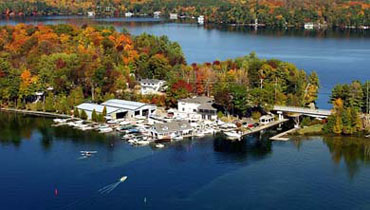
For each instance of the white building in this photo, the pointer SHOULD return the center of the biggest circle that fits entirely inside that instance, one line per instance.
(197, 108)
(157, 14)
(129, 14)
(201, 20)
(90, 107)
(173, 16)
(91, 13)
(152, 86)
(171, 129)
(130, 109)
(308, 26)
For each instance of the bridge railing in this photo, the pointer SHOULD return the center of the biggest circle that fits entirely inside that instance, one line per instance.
(303, 110)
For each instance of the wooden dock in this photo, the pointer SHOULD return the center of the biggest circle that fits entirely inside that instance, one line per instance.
(264, 127)
(36, 113)
(280, 137)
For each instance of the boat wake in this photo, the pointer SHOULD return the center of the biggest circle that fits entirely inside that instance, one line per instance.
(109, 188)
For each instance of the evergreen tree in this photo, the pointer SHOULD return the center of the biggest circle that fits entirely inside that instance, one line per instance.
(94, 116)
(76, 113)
(83, 115)
(104, 111)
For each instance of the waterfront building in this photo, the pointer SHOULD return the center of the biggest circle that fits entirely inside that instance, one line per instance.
(91, 13)
(129, 14)
(152, 86)
(157, 14)
(173, 16)
(90, 107)
(130, 109)
(266, 119)
(171, 129)
(199, 107)
(308, 26)
(201, 20)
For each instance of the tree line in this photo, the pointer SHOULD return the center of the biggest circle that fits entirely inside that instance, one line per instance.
(274, 13)
(54, 68)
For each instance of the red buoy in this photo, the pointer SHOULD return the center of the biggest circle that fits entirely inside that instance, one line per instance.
(56, 192)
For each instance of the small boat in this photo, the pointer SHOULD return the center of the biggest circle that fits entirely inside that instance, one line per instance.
(105, 129)
(199, 134)
(142, 142)
(159, 145)
(232, 135)
(178, 138)
(60, 120)
(122, 179)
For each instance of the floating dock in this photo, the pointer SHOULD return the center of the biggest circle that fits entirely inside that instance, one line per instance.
(36, 113)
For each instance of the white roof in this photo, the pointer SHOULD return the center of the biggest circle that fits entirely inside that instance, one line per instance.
(97, 107)
(126, 105)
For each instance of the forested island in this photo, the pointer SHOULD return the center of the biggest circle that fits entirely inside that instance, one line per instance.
(272, 13)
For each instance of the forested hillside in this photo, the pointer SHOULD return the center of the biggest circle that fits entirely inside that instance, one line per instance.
(277, 13)
(68, 65)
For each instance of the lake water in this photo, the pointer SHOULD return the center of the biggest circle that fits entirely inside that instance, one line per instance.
(41, 168)
(337, 56)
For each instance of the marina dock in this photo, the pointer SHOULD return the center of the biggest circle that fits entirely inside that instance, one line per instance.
(280, 137)
(264, 127)
(36, 113)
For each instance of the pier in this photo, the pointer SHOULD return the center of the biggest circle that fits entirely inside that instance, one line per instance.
(36, 113)
(280, 137)
(264, 127)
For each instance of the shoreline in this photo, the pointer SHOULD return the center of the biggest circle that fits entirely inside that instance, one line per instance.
(36, 113)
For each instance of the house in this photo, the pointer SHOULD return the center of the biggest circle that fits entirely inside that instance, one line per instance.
(266, 119)
(90, 107)
(171, 129)
(129, 14)
(308, 26)
(199, 107)
(173, 16)
(91, 14)
(201, 20)
(152, 86)
(157, 14)
(130, 109)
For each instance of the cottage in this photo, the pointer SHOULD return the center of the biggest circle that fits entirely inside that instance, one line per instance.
(308, 26)
(130, 109)
(173, 16)
(90, 107)
(129, 14)
(171, 129)
(266, 119)
(201, 20)
(198, 107)
(152, 86)
(156, 14)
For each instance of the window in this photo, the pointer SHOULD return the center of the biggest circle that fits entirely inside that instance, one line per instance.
(183, 109)
(194, 110)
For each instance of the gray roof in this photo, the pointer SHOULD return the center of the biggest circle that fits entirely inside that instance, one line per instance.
(173, 126)
(98, 108)
(206, 106)
(198, 100)
(126, 105)
(151, 81)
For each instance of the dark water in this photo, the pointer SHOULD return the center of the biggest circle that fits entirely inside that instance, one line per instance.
(337, 56)
(209, 173)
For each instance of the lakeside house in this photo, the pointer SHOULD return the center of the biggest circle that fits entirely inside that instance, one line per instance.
(129, 14)
(308, 26)
(119, 109)
(152, 86)
(201, 20)
(199, 107)
(173, 16)
(171, 129)
(157, 14)
(266, 119)
(91, 13)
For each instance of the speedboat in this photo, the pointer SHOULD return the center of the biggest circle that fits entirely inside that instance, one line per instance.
(159, 145)
(199, 134)
(178, 138)
(105, 129)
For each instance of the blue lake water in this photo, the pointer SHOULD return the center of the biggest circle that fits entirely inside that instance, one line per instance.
(337, 56)
(41, 166)
(209, 173)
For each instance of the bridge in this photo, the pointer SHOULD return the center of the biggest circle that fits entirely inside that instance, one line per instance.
(318, 113)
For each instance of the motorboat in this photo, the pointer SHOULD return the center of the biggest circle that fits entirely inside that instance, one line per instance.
(59, 121)
(178, 138)
(105, 129)
(233, 135)
(159, 145)
(199, 134)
